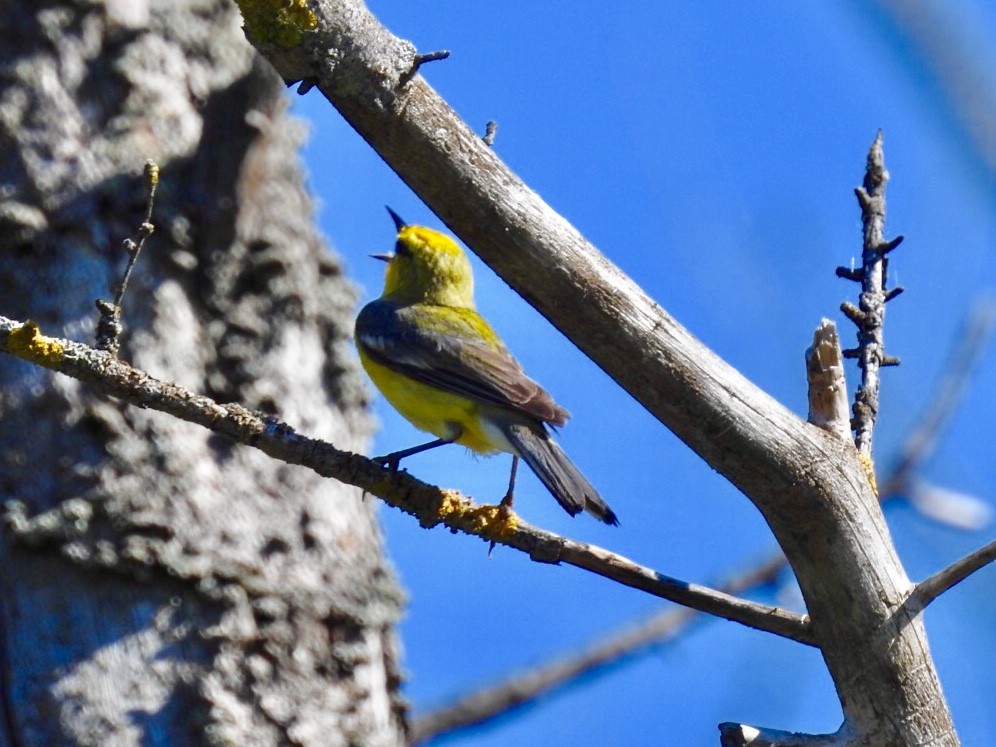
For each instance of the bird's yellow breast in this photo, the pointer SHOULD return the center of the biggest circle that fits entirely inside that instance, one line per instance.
(433, 410)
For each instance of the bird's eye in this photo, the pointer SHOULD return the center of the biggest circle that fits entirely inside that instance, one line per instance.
(402, 249)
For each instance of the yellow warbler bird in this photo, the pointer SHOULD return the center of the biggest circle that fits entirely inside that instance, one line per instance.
(439, 363)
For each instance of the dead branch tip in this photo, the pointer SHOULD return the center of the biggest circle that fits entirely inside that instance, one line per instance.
(109, 325)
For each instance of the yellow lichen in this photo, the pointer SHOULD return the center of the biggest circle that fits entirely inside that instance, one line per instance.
(866, 462)
(490, 522)
(279, 22)
(453, 504)
(29, 343)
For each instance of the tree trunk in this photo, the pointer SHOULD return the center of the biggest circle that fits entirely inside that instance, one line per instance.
(160, 586)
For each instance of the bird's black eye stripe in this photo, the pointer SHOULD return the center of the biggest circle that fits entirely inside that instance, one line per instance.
(402, 249)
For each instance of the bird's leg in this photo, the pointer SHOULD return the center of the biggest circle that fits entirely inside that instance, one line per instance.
(506, 502)
(394, 458)
(505, 505)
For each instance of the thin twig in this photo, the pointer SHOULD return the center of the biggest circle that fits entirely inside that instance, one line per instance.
(109, 325)
(929, 589)
(524, 688)
(421, 59)
(430, 504)
(869, 316)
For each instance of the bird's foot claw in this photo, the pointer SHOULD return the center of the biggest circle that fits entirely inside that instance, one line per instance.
(505, 510)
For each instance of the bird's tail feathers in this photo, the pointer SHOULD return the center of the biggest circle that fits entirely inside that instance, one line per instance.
(551, 465)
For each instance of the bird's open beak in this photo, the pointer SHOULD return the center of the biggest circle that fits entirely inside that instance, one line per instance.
(398, 222)
(383, 257)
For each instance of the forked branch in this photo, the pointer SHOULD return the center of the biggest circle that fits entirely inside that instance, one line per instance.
(828, 409)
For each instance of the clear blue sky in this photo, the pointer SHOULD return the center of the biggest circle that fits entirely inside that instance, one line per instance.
(710, 150)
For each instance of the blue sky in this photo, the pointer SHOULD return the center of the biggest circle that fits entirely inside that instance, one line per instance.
(711, 151)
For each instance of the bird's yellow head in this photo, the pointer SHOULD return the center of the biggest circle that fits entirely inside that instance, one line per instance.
(427, 267)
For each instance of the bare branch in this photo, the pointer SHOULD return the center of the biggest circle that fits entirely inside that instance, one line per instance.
(109, 324)
(870, 317)
(522, 688)
(928, 590)
(431, 505)
(421, 59)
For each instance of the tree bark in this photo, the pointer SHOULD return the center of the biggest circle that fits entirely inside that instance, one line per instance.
(161, 586)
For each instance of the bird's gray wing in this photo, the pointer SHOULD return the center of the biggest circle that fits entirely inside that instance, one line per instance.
(457, 352)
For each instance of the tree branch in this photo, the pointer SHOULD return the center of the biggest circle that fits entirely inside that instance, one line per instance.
(929, 589)
(109, 324)
(522, 688)
(869, 317)
(431, 505)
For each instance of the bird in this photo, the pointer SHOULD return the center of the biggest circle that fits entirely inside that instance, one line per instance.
(439, 363)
